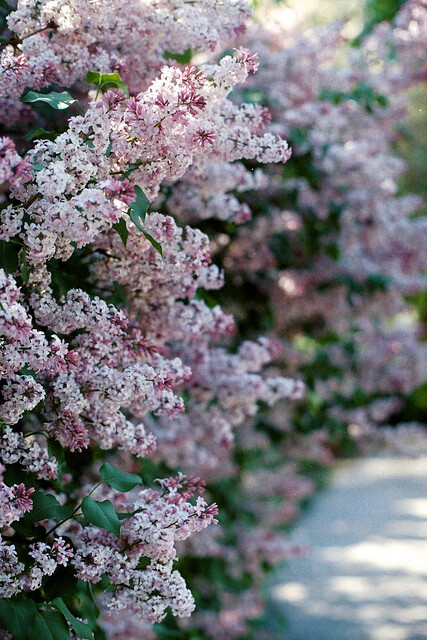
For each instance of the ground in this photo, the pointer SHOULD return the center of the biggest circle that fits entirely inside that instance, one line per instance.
(366, 576)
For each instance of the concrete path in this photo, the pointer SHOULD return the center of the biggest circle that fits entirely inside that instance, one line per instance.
(366, 577)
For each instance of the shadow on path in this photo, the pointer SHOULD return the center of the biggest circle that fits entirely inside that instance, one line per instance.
(366, 576)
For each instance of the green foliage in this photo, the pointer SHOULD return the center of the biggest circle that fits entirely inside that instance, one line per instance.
(24, 266)
(50, 625)
(139, 207)
(122, 230)
(61, 583)
(17, 616)
(105, 81)
(45, 506)
(9, 257)
(363, 94)
(56, 100)
(40, 133)
(118, 479)
(6, 6)
(156, 245)
(81, 628)
(76, 275)
(102, 514)
(182, 58)
(138, 212)
(377, 11)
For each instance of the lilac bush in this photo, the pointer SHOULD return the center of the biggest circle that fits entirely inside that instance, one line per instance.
(154, 431)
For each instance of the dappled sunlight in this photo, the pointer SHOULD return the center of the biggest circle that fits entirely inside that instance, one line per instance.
(366, 575)
(405, 555)
(415, 507)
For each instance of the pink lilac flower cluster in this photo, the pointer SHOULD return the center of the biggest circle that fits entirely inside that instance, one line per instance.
(59, 42)
(82, 375)
(44, 560)
(225, 390)
(15, 502)
(345, 118)
(156, 521)
(133, 357)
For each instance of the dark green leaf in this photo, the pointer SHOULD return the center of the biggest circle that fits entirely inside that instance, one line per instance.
(122, 230)
(182, 58)
(61, 583)
(8, 257)
(123, 515)
(56, 450)
(46, 505)
(17, 616)
(139, 207)
(100, 634)
(118, 479)
(102, 514)
(158, 247)
(24, 266)
(50, 625)
(81, 628)
(39, 132)
(56, 625)
(5, 5)
(332, 250)
(164, 632)
(56, 100)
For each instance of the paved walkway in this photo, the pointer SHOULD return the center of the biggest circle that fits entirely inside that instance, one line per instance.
(366, 577)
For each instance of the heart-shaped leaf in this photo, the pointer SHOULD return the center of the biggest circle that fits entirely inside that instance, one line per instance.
(102, 514)
(57, 100)
(45, 506)
(118, 479)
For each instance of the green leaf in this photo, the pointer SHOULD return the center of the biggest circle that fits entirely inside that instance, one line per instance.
(39, 132)
(56, 100)
(100, 634)
(139, 207)
(50, 625)
(164, 632)
(8, 257)
(158, 247)
(56, 624)
(118, 479)
(81, 628)
(61, 583)
(46, 505)
(17, 616)
(105, 81)
(122, 230)
(124, 515)
(24, 266)
(56, 450)
(182, 58)
(102, 514)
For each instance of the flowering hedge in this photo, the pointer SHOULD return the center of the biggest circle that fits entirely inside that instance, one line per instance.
(128, 392)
